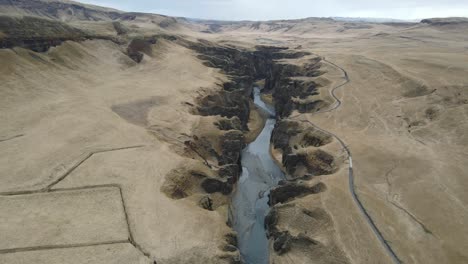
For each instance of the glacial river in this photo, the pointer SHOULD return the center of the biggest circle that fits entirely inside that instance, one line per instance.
(250, 201)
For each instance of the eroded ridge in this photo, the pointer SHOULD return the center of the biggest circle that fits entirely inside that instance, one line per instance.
(352, 186)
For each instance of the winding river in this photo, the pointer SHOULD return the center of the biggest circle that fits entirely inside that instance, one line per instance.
(250, 201)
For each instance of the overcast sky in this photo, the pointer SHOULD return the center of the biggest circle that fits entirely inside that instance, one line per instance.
(287, 9)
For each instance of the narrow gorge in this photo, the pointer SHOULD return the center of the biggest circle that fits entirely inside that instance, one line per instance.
(238, 156)
(130, 137)
(250, 160)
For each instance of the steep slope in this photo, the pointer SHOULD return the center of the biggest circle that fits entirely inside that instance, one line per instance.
(93, 121)
(93, 20)
(62, 10)
(121, 135)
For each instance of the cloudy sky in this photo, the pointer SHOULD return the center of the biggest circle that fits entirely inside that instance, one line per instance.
(287, 9)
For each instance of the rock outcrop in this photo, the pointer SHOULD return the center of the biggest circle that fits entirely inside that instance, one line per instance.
(292, 190)
(227, 104)
(304, 233)
(299, 144)
(291, 93)
(36, 34)
(140, 46)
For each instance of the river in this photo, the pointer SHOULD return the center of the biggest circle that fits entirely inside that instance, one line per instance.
(250, 200)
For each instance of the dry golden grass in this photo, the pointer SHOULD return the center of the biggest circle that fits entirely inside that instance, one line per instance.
(404, 118)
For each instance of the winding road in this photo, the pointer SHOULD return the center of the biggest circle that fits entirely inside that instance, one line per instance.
(352, 187)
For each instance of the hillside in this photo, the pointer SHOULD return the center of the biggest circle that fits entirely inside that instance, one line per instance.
(124, 137)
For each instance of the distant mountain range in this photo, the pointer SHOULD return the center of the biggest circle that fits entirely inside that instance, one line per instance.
(341, 19)
(374, 20)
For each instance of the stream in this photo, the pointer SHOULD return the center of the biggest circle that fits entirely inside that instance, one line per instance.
(250, 200)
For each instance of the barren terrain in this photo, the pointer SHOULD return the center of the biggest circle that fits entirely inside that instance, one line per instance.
(121, 135)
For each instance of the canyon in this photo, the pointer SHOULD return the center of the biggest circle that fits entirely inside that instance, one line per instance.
(140, 138)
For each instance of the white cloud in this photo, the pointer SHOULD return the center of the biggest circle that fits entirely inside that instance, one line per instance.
(281, 9)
